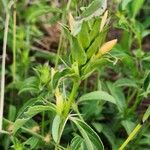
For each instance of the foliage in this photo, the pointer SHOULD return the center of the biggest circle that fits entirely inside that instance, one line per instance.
(85, 96)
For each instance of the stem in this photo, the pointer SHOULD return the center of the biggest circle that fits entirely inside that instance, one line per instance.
(131, 136)
(70, 102)
(3, 70)
(14, 43)
(72, 95)
(43, 122)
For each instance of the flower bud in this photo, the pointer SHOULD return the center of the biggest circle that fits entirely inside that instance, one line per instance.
(105, 48)
(103, 21)
(71, 21)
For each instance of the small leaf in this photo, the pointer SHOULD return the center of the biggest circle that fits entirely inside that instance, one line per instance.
(125, 82)
(32, 111)
(76, 143)
(19, 123)
(147, 114)
(55, 128)
(31, 142)
(93, 48)
(78, 53)
(98, 95)
(117, 93)
(83, 36)
(96, 8)
(136, 6)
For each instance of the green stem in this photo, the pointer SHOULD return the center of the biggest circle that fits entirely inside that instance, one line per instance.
(43, 122)
(72, 95)
(14, 43)
(69, 105)
(131, 136)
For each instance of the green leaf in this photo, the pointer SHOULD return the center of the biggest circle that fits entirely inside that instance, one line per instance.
(29, 85)
(32, 111)
(92, 140)
(28, 104)
(78, 53)
(76, 143)
(136, 6)
(124, 4)
(96, 8)
(125, 82)
(33, 12)
(95, 29)
(117, 93)
(147, 81)
(147, 114)
(109, 134)
(83, 36)
(56, 127)
(12, 113)
(31, 142)
(91, 66)
(128, 125)
(98, 95)
(95, 46)
(19, 123)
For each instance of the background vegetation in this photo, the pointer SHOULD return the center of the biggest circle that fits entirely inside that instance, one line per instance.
(77, 74)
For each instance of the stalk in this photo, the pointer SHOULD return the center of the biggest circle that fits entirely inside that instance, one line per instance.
(71, 100)
(14, 43)
(131, 136)
(3, 70)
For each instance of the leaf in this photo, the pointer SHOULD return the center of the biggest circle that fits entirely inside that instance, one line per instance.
(91, 66)
(117, 93)
(147, 82)
(78, 53)
(35, 11)
(96, 8)
(136, 6)
(32, 111)
(76, 143)
(55, 128)
(83, 36)
(128, 125)
(29, 103)
(109, 135)
(19, 123)
(92, 140)
(124, 4)
(29, 85)
(98, 95)
(125, 82)
(93, 48)
(95, 28)
(12, 113)
(31, 142)
(146, 114)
